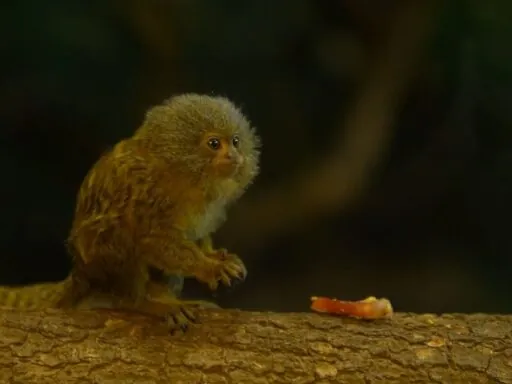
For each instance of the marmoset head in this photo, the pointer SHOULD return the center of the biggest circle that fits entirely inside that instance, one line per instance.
(208, 136)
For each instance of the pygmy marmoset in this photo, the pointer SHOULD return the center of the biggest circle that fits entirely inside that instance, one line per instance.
(152, 202)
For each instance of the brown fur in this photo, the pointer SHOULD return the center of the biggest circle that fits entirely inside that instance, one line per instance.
(155, 198)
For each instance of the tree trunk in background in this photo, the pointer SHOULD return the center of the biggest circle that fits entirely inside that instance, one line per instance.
(245, 347)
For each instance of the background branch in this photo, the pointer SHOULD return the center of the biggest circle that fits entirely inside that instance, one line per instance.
(365, 135)
(245, 347)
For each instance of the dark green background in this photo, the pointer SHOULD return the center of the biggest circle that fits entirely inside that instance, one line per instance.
(432, 231)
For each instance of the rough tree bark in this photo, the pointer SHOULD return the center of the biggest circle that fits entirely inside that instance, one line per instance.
(246, 347)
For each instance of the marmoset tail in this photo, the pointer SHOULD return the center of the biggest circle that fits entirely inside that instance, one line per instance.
(36, 296)
(154, 200)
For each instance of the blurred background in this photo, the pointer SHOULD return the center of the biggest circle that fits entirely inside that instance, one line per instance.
(386, 128)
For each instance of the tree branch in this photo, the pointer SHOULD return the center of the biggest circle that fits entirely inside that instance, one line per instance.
(245, 347)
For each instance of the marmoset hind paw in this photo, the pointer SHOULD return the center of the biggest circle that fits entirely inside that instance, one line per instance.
(180, 313)
(177, 314)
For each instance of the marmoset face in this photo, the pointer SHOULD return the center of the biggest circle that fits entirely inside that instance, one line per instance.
(224, 152)
(206, 136)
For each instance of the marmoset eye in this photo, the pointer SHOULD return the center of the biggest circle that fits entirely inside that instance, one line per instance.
(214, 143)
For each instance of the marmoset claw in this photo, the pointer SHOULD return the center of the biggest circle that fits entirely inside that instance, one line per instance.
(229, 270)
(179, 319)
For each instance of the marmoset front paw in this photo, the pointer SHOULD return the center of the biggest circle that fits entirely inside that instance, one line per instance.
(222, 267)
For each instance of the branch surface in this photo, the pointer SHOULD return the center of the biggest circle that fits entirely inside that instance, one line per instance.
(249, 347)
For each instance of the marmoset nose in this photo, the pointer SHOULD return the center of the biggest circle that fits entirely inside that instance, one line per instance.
(230, 155)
